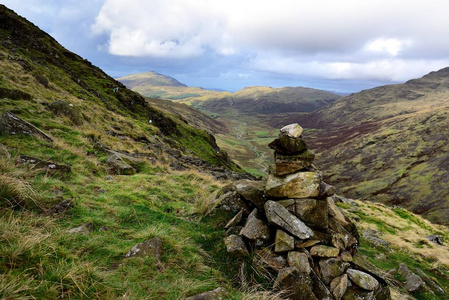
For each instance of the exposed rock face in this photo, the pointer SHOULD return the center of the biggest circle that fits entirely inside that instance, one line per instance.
(11, 124)
(312, 244)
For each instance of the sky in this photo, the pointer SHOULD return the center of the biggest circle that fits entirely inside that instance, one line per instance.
(337, 45)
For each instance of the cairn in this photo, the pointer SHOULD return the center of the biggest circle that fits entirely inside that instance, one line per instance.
(291, 224)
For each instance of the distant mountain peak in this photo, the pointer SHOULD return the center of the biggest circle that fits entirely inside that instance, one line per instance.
(150, 78)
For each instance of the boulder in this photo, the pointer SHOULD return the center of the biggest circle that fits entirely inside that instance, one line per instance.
(217, 294)
(300, 261)
(338, 286)
(331, 268)
(151, 247)
(288, 164)
(292, 130)
(362, 279)
(280, 216)
(324, 251)
(283, 241)
(297, 185)
(255, 229)
(413, 282)
(312, 212)
(287, 145)
(10, 124)
(235, 245)
(119, 166)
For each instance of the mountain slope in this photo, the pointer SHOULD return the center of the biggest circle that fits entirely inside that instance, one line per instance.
(391, 144)
(149, 79)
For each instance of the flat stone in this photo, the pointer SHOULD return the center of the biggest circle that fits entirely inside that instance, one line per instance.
(280, 216)
(235, 245)
(300, 261)
(331, 268)
(297, 185)
(307, 244)
(324, 251)
(235, 220)
(255, 229)
(287, 145)
(217, 294)
(283, 241)
(335, 212)
(363, 280)
(151, 247)
(288, 164)
(292, 130)
(338, 286)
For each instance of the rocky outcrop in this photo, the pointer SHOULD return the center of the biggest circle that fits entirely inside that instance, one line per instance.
(10, 124)
(294, 228)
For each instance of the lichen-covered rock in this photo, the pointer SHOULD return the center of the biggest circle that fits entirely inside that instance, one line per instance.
(331, 268)
(235, 245)
(313, 212)
(153, 247)
(300, 261)
(363, 280)
(283, 241)
(297, 185)
(298, 284)
(338, 286)
(230, 201)
(288, 164)
(335, 212)
(119, 166)
(320, 290)
(252, 191)
(280, 216)
(324, 251)
(287, 145)
(413, 282)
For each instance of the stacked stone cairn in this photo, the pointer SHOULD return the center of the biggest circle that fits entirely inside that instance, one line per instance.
(291, 225)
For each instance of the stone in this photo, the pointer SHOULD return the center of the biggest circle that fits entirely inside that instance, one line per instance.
(300, 261)
(308, 243)
(324, 251)
(331, 268)
(372, 236)
(335, 212)
(82, 229)
(217, 294)
(4, 151)
(430, 283)
(346, 256)
(10, 124)
(292, 130)
(298, 285)
(265, 257)
(151, 247)
(287, 145)
(288, 164)
(413, 282)
(235, 245)
(255, 229)
(340, 241)
(252, 191)
(312, 212)
(297, 185)
(363, 280)
(119, 166)
(231, 202)
(283, 241)
(326, 190)
(235, 220)
(319, 288)
(338, 286)
(280, 216)
(437, 239)
(346, 236)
